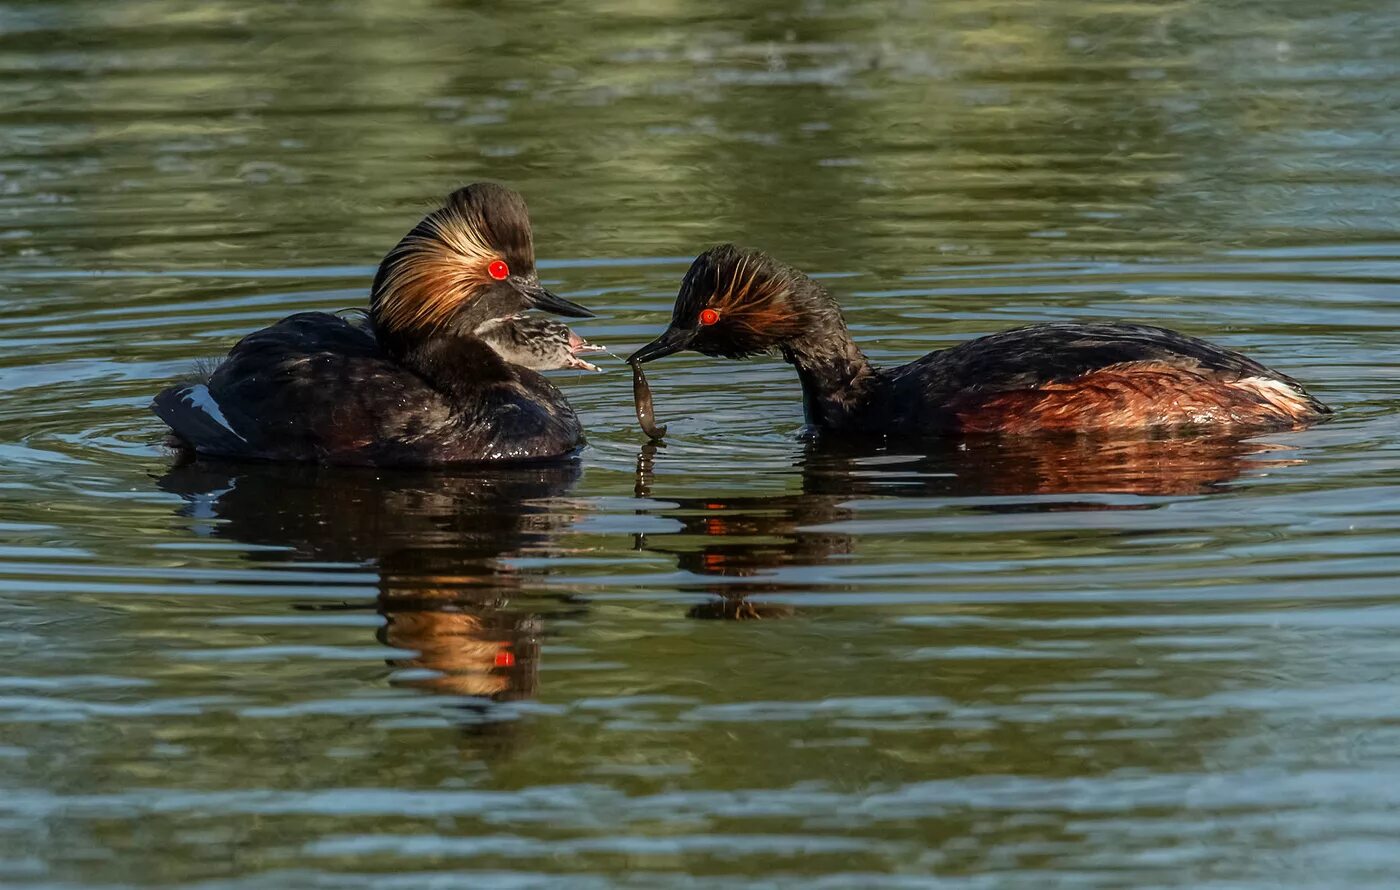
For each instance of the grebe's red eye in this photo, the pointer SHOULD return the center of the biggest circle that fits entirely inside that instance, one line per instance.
(708, 316)
(498, 270)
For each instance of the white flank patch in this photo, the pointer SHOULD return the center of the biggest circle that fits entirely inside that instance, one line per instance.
(199, 398)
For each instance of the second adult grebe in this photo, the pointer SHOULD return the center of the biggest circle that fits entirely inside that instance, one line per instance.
(1044, 378)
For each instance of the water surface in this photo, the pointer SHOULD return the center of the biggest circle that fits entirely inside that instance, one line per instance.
(741, 659)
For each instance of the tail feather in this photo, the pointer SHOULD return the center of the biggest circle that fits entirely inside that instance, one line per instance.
(192, 412)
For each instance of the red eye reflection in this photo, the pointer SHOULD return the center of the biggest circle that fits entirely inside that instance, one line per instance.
(498, 270)
(708, 316)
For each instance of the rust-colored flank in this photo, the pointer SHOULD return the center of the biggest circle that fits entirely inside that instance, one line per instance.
(1135, 395)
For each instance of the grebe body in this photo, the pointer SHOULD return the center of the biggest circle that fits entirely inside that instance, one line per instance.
(1047, 378)
(414, 387)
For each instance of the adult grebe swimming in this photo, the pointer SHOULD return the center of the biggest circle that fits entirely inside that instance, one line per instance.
(1077, 378)
(415, 387)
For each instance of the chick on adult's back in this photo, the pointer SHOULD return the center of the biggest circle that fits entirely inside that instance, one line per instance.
(414, 387)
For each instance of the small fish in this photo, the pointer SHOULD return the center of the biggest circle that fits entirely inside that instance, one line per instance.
(641, 395)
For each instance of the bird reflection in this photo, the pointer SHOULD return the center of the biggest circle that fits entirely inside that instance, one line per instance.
(739, 541)
(436, 540)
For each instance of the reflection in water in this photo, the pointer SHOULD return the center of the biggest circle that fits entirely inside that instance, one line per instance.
(435, 539)
(728, 538)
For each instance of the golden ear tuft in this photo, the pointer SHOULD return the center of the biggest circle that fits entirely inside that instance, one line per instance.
(753, 294)
(437, 268)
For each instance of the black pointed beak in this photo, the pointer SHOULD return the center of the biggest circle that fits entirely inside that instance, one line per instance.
(671, 341)
(550, 302)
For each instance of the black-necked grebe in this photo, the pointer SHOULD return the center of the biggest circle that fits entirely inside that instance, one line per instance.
(1078, 378)
(413, 388)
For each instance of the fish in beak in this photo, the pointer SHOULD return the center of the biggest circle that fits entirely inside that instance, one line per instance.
(672, 341)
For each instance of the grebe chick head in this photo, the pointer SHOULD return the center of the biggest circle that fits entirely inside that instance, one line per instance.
(471, 260)
(541, 344)
(735, 302)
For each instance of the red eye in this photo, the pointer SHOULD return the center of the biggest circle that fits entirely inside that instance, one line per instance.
(498, 270)
(708, 316)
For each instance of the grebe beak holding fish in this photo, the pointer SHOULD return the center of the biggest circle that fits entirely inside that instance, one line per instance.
(1047, 378)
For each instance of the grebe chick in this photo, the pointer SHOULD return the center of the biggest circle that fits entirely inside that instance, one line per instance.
(1079, 378)
(409, 388)
(541, 344)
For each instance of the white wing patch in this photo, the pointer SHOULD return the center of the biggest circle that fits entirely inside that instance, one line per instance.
(200, 398)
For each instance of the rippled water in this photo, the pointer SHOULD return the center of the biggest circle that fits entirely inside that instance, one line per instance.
(1013, 665)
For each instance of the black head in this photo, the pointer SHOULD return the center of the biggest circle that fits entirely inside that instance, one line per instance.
(736, 302)
(470, 260)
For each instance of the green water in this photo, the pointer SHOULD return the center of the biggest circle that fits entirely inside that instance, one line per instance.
(1168, 665)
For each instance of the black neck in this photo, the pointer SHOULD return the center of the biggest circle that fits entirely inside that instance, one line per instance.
(457, 366)
(836, 377)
